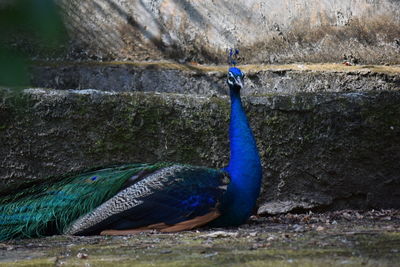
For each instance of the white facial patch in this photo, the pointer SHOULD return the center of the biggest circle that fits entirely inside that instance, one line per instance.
(231, 78)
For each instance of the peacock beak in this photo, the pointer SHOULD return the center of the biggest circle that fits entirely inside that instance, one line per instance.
(239, 82)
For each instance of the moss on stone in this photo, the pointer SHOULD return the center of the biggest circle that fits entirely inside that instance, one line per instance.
(263, 245)
(319, 148)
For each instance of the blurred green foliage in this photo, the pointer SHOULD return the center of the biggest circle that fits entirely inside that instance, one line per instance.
(27, 27)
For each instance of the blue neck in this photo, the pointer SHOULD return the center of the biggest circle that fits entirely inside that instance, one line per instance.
(244, 167)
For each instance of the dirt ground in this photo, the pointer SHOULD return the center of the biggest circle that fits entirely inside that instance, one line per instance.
(340, 238)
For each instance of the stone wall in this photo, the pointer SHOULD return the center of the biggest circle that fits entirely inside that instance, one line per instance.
(319, 150)
(266, 31)
(328, 133)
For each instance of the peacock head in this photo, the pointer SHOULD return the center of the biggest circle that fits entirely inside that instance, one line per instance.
(235, 78)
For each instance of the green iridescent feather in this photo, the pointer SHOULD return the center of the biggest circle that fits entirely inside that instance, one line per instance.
(49, 207)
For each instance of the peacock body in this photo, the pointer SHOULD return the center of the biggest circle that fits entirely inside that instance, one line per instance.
(136, 197)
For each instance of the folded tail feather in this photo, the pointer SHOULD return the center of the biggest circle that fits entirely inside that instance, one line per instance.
(49, 207)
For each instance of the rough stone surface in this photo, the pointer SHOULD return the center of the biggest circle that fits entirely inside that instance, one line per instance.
(339, 238)
(278, 207)
(326, 150)
(210, 80)
(266, 31)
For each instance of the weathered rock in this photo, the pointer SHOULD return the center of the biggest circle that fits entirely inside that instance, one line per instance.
(326, 150)
(266, 31)
(209, 80)
(278, 207)
(48, 132)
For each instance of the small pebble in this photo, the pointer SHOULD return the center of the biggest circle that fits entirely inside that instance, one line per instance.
(81, 255)
(211, 255)
(298, 228)
(218, 234)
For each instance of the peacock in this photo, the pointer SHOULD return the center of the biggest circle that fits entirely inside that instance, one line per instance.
(131, 198)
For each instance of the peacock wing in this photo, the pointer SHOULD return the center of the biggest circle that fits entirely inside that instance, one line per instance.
(168, 196)
(47, 206)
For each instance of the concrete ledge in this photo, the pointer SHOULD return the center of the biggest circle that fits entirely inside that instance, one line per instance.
(210, 80)
(319, 150)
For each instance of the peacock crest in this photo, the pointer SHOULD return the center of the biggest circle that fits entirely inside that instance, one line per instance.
(233, 56)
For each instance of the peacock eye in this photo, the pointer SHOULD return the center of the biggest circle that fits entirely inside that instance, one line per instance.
(231, 79)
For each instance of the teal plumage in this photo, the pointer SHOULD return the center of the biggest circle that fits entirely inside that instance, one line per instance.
(124, 199)
(48, 207)
(56, 206)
